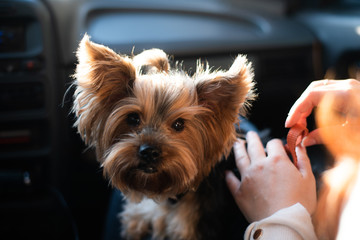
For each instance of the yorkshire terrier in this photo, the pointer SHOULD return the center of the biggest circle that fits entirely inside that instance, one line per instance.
(162, 138)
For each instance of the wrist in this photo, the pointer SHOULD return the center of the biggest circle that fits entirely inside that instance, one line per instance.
(293, 222)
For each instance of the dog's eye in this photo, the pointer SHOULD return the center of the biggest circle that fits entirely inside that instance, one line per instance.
(133, 119)
(178, 125)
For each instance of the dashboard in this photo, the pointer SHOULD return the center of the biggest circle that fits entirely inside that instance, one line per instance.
(28, 89)
(31, 125)
(47, 176)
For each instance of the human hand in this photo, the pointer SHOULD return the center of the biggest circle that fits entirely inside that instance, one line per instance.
(342, 90)
(270, 182)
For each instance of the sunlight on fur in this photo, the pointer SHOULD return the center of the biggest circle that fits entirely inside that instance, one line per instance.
(161, 135)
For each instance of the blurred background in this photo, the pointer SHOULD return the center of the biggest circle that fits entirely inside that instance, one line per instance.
(51, 186)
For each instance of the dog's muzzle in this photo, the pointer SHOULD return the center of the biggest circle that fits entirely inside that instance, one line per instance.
(149, 156)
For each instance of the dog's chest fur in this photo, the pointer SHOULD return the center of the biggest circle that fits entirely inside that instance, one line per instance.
(209, 213)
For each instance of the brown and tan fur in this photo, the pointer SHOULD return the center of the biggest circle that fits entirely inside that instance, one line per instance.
(123, 103)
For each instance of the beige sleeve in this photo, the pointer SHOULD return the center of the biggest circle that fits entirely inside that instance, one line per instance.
(290, 223)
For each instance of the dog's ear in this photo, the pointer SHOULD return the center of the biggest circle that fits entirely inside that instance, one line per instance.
(226, 93)
(101, 70)
(151, 61)
(101, 78)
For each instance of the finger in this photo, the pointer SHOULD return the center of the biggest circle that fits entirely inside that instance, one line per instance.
(302, 121)
(301, 109)
(313, 138)
(232, 182)
(303, 163)
(275, 147)
(294, 114)
(307, 101)
(242, 160)
(254, 146)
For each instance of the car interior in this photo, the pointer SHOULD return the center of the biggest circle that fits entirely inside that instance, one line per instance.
(51, 185)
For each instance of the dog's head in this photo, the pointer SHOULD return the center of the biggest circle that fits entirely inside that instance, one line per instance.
(157, 131)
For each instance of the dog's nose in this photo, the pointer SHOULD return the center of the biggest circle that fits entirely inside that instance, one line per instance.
(149, 153)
